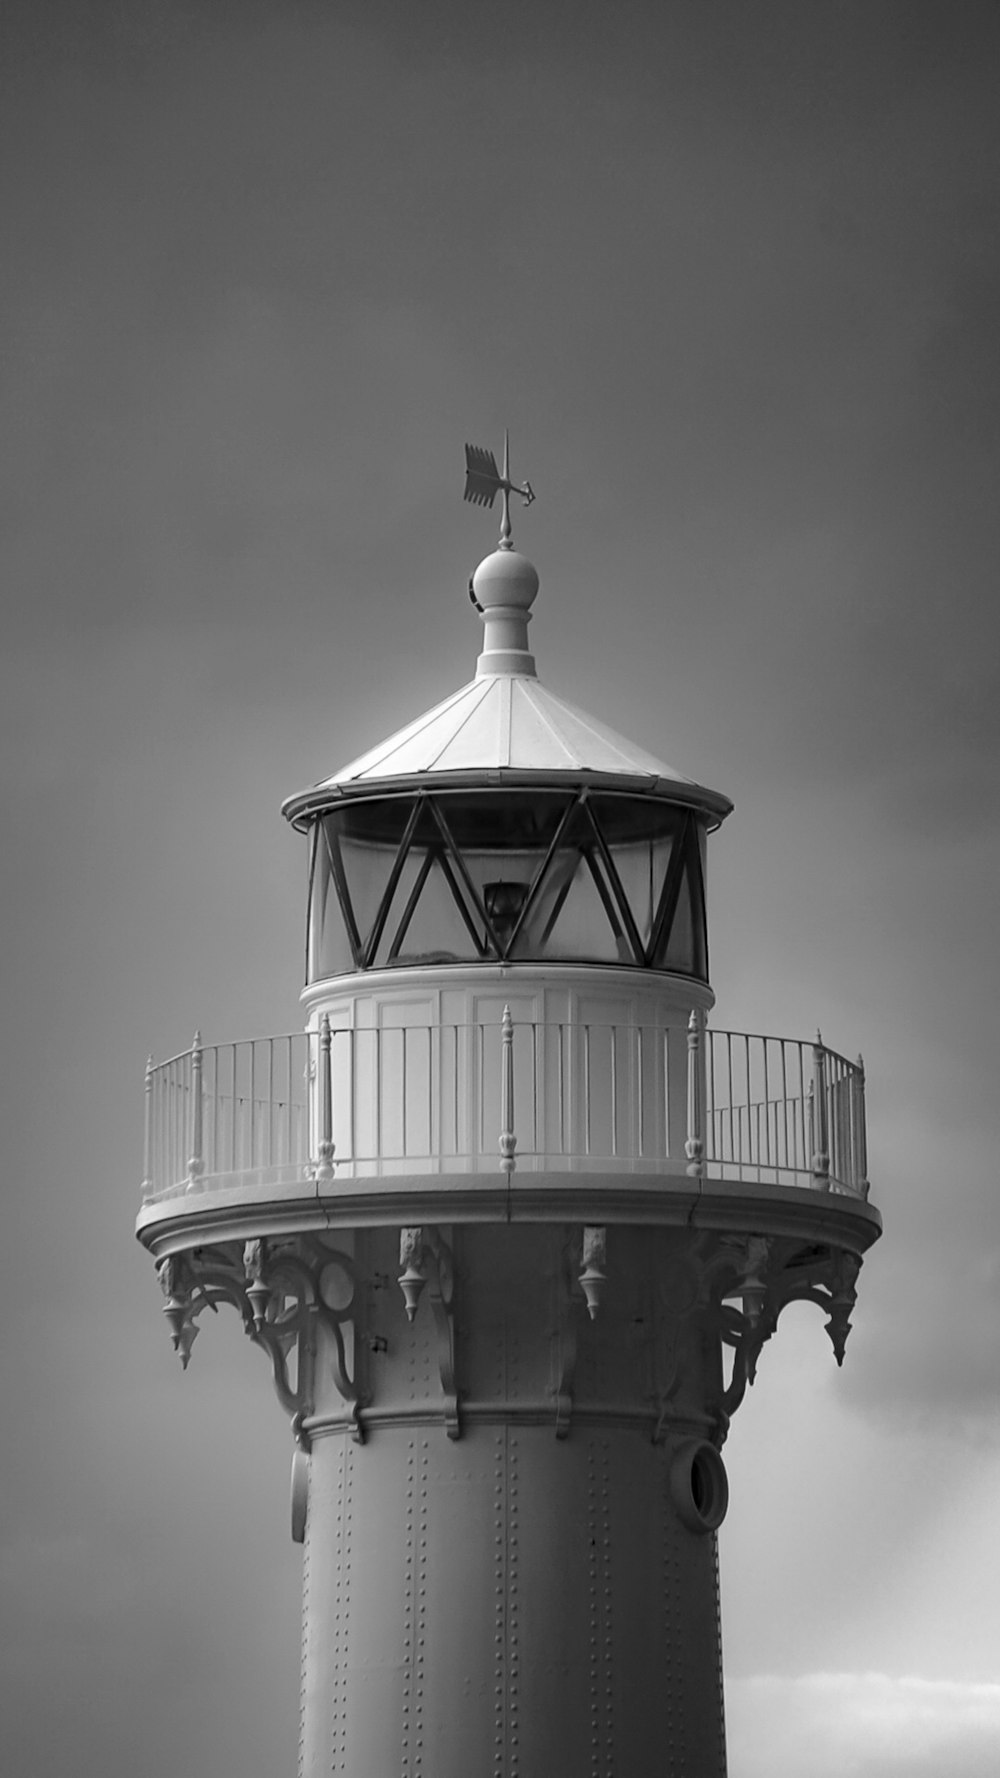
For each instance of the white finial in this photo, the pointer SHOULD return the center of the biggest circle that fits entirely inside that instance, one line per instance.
(505, 584)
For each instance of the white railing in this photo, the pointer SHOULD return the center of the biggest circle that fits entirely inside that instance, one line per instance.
(339, 1104)
(777, 1109)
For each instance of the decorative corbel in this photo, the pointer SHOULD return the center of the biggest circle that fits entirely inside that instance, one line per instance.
(413, 1268)
(258, 1292)
(278, 1291)
(827, 1279)
(426, 1259)
(758, 1254)
(594, 1276)
(177, 1307)
(746, 1339)
(843, 1297)
(442, 1295)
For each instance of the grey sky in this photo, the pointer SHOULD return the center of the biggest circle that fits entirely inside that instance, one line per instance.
(731, 276)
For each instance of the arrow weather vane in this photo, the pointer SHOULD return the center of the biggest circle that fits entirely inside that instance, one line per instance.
(484, 481)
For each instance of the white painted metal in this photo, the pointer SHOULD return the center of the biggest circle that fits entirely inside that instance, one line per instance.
(497, 1227)
(503, 722)
(512, 1603)
(505, 719)
(409, 1097)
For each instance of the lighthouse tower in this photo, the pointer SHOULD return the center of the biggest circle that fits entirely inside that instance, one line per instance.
(511, 1222)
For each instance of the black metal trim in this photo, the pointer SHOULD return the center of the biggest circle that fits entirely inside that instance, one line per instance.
(382, 913)
(343, 893)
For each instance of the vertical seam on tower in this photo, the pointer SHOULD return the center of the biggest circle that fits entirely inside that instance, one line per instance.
(339, 1634)
(607, 1648)
(513, 1655)
(409, 1590)
(304, 1663)
(718, 1657)
(499, 1612)
(420, 1659)
(680, 1688)
(667, 1616)
(593, 1623)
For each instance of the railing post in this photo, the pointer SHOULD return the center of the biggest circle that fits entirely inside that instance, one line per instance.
(694, 1147)
(508, 1140)
(324, 1170)
(821, 1115)
(196, 1161)
(147, 1132)
(860, 1131)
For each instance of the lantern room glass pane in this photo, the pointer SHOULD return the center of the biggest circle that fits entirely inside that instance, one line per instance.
(329, 947)
(684, 952)
(432, 930)
(369, 837)
(573, 915)
(442, 877)
(640, 835)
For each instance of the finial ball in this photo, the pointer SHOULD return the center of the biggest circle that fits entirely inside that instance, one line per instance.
(505, 578)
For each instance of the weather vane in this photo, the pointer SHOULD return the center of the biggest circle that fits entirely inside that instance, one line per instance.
(484, 481)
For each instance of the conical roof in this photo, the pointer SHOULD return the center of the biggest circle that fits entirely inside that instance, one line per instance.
(503, 722)
(505, 725)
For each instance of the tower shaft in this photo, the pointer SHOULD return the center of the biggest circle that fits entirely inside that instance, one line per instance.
(523, 1596)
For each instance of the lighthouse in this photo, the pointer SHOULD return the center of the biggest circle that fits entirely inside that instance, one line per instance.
(511, 1222)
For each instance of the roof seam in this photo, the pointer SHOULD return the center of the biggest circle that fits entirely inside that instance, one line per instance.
(546, 721)
(474, 704)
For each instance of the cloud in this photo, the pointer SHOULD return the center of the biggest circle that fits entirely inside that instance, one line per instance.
(861, 1725)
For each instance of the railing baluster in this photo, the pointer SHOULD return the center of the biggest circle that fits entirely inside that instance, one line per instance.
(270, 1102)
(479, 1064)
(196, 1161)
(454, 1097)
(821, 1149)
(767, 1111)
(508, 1140)
(713, 1135)
(784, 1103)
(563, 1032)
(729, 1069)
(586, 1089)
(377, 1035)
(432, 1031)
(860, 1178)
(694, 1147)
(324, 1171)
(614, 1090)
(535, 1095)
(253, 1103)
(290, 1063)
(404, 1131)
(147, 1131)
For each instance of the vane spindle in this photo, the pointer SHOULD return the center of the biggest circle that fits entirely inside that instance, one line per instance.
(484, 481)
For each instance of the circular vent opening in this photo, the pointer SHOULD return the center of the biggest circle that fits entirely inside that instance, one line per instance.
(699, 1486)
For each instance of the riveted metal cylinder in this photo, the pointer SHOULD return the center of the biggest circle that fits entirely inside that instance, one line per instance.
(525, 1598)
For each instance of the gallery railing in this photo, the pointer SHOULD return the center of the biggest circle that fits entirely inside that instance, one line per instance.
(332, 1104)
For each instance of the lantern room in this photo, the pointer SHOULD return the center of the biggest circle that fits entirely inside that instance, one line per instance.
(506, 858)
(506, 827)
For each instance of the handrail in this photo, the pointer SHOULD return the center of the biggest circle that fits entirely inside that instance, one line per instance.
(336, 1102)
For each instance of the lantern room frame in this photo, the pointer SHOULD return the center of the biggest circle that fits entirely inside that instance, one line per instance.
(510, 859)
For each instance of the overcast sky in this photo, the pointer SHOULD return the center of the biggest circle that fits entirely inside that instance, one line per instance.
(730, 272)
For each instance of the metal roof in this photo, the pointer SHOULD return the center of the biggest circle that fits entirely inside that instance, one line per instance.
(505, 723)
